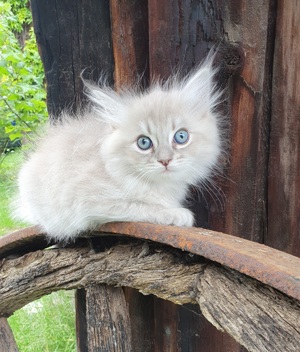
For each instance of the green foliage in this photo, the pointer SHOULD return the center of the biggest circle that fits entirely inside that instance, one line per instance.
(9, 164)
(22, 93)
(21, 12)
(47, 324)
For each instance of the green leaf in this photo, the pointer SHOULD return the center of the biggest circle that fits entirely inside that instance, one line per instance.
(15, 135)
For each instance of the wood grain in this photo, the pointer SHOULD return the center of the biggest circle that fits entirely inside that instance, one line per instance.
(257, 316)
(7, 341)
(56, 269)
(108, 322)
(72, 37)
(284, 162)
(129, 20)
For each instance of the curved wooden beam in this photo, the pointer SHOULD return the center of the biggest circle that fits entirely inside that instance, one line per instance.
(265, 264)
(257, 316)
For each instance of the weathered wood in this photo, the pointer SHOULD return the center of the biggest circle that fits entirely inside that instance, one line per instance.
(81, 323)
(284, 162)
(129, 20)
(72, 37)
(180, 35)
(259, 317)
(7, 341)
(166, 332)
(141, 313)
(251, 25)
(108, 323)
(225, 301)
(35, 274)
(270, 266)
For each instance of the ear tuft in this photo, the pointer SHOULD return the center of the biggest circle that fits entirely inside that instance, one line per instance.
(105, 101)
(199, 87)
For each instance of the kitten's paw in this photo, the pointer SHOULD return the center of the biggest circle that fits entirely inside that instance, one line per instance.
(178, 216)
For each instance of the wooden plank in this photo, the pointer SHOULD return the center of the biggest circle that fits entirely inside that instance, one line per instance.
(130, 41)
(7, 341)
(180, 34)
(108, 323)
(141, 311)
(284, 163)
(81, 323)
(72, 37)
(245, 182)
(166, 333)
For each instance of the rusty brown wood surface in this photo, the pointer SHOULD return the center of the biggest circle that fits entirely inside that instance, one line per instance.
(129, 20)
(269, 266)
(180, 34)
(284, 162)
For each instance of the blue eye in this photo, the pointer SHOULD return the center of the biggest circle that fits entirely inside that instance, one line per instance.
(181, 137)
(144, 143)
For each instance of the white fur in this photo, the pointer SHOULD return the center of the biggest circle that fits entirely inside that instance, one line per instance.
(89, 170)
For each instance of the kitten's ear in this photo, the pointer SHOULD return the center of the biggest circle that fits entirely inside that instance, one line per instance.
(199, 87)
(105, 102)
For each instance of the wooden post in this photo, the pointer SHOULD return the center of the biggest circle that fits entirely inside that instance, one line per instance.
(72, 37)
(7, 341)
(103, 322)
(129, 19)
(284, 162)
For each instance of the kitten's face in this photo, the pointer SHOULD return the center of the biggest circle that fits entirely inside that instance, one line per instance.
(162, 138)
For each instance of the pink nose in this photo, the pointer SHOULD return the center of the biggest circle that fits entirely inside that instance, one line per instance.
(164, 162)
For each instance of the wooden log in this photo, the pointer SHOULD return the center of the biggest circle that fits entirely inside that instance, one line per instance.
(284, 162)
(7, 341)
(70, 268)
(225, 300)
(259, 317)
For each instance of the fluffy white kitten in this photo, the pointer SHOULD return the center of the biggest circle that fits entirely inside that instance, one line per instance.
(130, 158)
